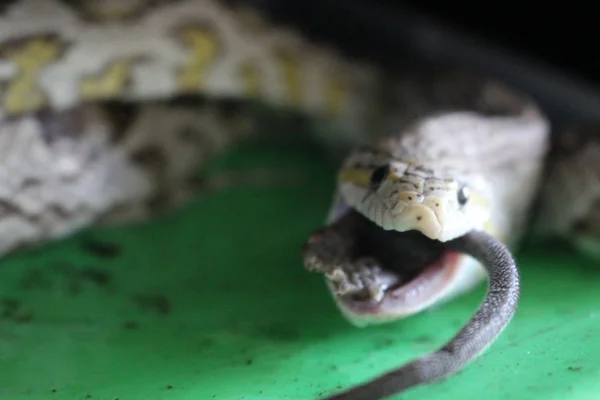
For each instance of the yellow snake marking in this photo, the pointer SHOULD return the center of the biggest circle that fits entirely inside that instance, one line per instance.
(204, 44)
(111, 82)
(254, 24)
(356, 176)
(251, 77)
(290, 70)
(488, 226)
(477, 198)
(336, 95)
(30, 56)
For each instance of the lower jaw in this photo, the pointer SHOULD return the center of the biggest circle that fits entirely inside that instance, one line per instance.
(427, 289)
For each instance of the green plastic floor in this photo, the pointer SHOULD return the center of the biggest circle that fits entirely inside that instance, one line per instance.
(212, 301)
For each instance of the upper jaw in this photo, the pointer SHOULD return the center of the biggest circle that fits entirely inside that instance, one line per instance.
(419, 217)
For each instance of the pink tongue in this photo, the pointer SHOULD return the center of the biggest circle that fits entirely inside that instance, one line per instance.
(432, 276)
(409, 298)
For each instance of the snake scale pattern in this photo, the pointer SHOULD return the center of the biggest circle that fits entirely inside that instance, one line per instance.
(108, 108)
(91, 96)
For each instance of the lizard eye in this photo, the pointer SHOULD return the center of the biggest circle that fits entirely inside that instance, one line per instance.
(379, 175)
(463, 195)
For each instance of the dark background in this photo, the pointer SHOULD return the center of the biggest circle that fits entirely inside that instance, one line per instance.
(563, 34)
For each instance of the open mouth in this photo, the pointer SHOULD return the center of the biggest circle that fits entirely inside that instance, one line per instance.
(383, 274)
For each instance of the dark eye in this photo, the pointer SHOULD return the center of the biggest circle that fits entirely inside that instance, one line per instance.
(379, 175)
(463, 195)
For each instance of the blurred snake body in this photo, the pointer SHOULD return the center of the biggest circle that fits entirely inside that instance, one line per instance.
(93, 125)
(97, 126)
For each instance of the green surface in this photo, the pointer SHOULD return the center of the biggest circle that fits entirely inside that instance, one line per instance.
(212, 301)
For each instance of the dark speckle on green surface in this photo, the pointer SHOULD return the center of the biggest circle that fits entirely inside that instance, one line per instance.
(571, 368)
(65, 276)
(100, 277)
(424, 339)
(78, 278)
(157, 303)
(35, 279)
(278, 332)
(206, 343)
(9, 305)
(384, 343)
(13, 310)
(130, 325)
(101, 249)
(169, 387)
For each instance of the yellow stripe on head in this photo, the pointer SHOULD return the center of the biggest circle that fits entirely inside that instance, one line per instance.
(357, 176)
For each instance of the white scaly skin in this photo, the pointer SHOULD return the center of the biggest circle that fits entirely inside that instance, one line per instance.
(70, 160)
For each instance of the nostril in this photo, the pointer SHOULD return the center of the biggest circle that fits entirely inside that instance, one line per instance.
(411, 197)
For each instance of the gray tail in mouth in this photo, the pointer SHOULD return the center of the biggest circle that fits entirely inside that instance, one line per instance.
(474, 338)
